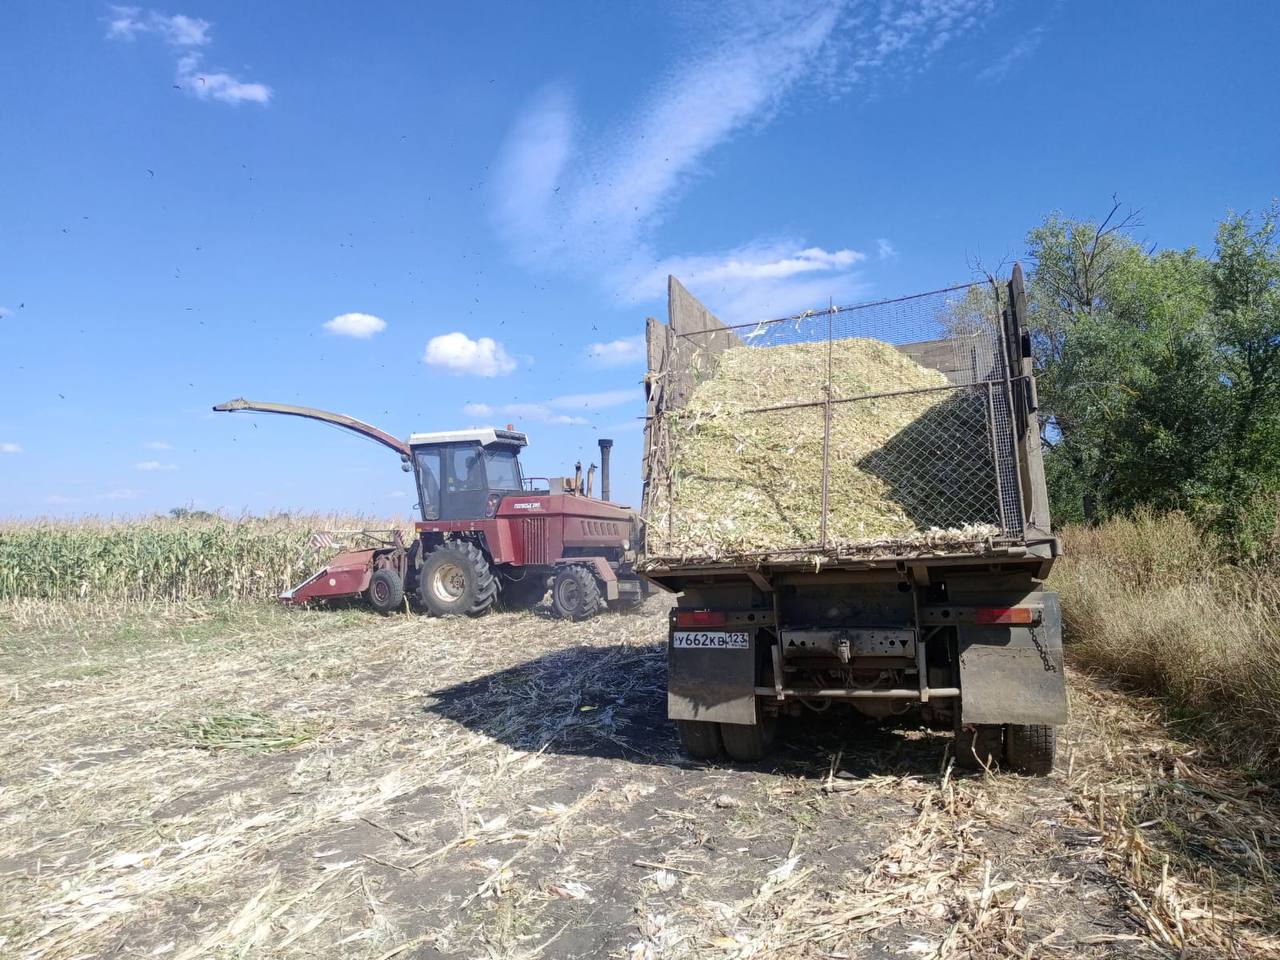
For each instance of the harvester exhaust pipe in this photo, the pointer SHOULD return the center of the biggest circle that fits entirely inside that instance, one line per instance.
(605, 446)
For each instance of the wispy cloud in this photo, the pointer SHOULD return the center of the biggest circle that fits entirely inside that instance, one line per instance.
(595, 401)
(567, 410)
(362, 326)
(617, 353)
(885, 250)
(534, 412)
(1020, 51)
(186, 34)
(158, 445)
(759, 280)
(120, 493)
(10, 448)
(459, 354)
(153, 466)
(592, 200)
(127, 23)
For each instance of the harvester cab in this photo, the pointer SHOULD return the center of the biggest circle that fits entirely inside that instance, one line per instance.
(464, 474)
(488, 534)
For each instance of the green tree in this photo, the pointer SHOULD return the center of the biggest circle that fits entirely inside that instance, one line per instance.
(1159, 373)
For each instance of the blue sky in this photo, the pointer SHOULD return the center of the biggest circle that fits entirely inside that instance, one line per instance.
(435, 216)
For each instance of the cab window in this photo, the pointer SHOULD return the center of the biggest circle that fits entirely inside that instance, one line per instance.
(502, 467)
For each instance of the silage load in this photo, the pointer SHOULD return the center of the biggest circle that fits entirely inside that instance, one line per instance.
(906, 468)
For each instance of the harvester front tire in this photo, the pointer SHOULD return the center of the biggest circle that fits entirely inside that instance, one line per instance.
(980, 748)
(456, 579)
(1031, 748)
(700, 739)
(575, 595)
(385, 592)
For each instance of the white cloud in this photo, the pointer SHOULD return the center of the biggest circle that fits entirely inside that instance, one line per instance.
(5, 312)
(617, 353)
(120, 494)
(535, 412)
(885, 250)
(185, 33)
(590, 201)
(218, 86)
(359, 325)
(458, 353)
(58, 499)
(152, 466)
(10, 448)
(157, 445)
(126, 23)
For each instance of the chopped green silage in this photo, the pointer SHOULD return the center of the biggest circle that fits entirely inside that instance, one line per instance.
(909, 468)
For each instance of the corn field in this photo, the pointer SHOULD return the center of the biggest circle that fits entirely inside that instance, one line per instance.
(161, 559)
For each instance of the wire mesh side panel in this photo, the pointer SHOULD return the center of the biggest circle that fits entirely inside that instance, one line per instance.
(894, 415)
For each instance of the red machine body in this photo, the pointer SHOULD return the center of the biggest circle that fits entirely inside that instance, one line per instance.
(546, 530)
(488, 535)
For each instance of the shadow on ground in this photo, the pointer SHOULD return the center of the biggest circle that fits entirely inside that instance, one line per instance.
(610, 703)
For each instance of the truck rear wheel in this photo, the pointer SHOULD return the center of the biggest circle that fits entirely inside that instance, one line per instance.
(749, 742)
(980, 747)
(1030, 748)
(575, 595)
(700, 739)
(385, 592)
(456, 579)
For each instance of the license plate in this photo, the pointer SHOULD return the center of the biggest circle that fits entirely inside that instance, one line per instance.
(710, 640)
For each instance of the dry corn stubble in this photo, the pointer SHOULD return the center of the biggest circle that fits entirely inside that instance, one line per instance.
(905, 468)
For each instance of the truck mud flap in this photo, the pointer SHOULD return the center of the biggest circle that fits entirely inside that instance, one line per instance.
(711, 676)
(1014, 674)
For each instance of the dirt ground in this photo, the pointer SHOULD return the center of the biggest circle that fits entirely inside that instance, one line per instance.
(258, 782)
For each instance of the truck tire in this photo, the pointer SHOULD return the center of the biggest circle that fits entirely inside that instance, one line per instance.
(575, 595)
(1030, 748)
(980, 748)
(456, 579)
(385, 592)
(749, 742)
(523, 594)
(700, 739)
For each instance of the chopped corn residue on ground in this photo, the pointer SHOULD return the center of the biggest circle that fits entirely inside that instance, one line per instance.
(909, 467)
(218, 781)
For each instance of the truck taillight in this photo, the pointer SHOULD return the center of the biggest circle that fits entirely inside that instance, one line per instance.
(1022, 615)
(699, 618)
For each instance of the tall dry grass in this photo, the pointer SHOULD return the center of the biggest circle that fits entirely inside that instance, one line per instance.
(161, 559)
(1152, 601)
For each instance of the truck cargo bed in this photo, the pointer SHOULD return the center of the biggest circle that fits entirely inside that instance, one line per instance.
(850, 435)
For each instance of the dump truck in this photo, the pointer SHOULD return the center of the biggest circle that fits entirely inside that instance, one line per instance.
(488, 535)
(850, 505)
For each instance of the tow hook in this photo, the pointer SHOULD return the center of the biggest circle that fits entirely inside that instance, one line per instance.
(843, 650)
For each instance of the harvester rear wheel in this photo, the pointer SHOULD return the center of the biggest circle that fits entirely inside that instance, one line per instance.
(385, 592)
(700, 739)
(1030, 748)
(575, 595)
(456, 579)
